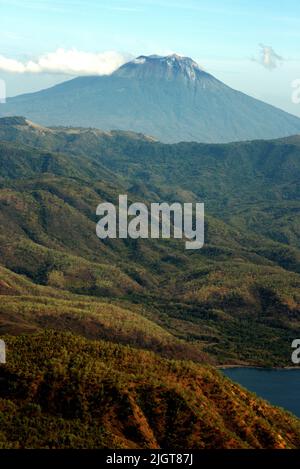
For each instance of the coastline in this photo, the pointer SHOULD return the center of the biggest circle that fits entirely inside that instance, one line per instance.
(257, 367)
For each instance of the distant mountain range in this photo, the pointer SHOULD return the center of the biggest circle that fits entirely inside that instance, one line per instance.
(169, 98)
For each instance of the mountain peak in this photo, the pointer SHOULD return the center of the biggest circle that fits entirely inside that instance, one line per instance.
(13, 120)
(169, 67)
(169, 97)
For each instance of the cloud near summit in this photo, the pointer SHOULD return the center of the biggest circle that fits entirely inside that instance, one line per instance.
(268, 57)
(67, 62)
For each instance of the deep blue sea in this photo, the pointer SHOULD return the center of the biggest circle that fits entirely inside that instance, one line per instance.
(279, 387)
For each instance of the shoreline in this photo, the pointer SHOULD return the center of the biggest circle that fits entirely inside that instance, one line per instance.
(257, 367)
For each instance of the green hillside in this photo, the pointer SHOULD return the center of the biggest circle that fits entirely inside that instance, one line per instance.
(60, 391)
(246, 274)
(131, 305)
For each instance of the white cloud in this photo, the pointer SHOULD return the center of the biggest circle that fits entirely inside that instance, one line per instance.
(67, 62)
(268, 57)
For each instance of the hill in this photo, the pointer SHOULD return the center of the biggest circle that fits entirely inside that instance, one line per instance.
(241, 288)
(61, 391)
(111, 344)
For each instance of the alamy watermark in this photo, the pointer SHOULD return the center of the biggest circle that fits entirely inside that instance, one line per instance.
(180, 221)
(296, 352)
(296, 93)
(2, 92)
(2, 352)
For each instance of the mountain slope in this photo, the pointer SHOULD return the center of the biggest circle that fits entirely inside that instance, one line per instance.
(170, 98)
(243, 286)
(90, 326)
(249, 184)
(61, 391)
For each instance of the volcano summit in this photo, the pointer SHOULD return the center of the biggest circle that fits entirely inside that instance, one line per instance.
(170, 98)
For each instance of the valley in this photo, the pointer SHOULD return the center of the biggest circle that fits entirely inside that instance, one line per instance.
(247, 273)
(88, 322)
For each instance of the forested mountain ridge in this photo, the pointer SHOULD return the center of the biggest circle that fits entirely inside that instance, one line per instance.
(247, 273)
(62, 391)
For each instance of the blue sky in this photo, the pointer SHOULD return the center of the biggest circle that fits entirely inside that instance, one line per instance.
(223, 36)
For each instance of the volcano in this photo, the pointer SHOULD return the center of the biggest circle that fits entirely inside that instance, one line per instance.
(169, 98)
